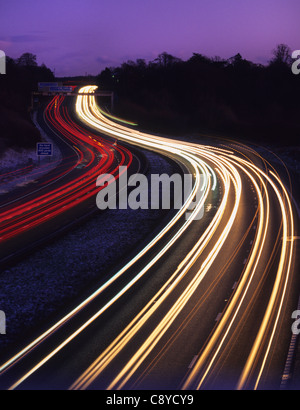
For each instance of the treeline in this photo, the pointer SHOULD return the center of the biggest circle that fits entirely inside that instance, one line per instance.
(234, 97)
(21, 78)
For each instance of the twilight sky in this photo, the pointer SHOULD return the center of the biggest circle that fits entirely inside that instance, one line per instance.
(76, 37)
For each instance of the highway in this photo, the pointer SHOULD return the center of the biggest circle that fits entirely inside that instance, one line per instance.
(206, 304)
(64, 193)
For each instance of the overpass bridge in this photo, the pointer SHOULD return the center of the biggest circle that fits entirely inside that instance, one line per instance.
(50, 93)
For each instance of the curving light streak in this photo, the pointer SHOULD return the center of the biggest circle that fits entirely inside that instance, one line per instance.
(229, 316)
(93, 118)
(206, 360)
(216, 165)
(283, 273)
(172, 314)
(22, 217)
(198, 168)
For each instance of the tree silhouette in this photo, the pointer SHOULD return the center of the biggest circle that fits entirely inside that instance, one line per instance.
(235, 96)
(282, 54)
(27, 60)
(166, 60)
(22, 76)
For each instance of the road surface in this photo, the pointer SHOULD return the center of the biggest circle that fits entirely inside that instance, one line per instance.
(31, 213)
(205, 305)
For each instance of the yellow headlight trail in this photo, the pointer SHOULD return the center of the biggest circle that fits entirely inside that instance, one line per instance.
(172, 314)
(104, 359)
(285, 259)
(190, 315)
(199, 168)
(91, 120)
(283, 274)
(90, 115)
(228, 318)
(207, 162)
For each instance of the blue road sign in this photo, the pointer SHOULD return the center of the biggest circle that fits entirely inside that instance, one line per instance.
(63, 89)
(41, 85)
(44, 148)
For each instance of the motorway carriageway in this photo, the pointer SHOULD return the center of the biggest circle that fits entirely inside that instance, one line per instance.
(69, 185)
(251, 202)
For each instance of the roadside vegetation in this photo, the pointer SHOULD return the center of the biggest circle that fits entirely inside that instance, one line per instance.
(22, 75)
(234, 97)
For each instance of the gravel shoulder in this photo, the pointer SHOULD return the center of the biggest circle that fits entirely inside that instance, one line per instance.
(39, 286)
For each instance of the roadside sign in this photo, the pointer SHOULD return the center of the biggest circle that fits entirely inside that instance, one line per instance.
(50, 84)
(44, 149)
(44, 86)
(63, 89)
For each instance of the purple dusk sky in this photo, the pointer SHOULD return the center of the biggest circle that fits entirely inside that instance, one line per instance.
(76, 37)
